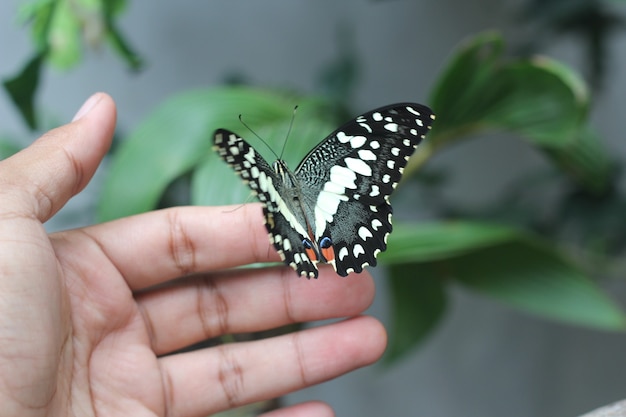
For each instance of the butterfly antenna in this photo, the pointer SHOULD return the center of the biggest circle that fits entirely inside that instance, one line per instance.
(258, 137)
(293, 117)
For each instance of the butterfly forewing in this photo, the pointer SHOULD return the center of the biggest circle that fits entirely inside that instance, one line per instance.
(337, 199)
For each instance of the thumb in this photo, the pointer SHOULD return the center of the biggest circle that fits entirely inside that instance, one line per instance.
(40, 179)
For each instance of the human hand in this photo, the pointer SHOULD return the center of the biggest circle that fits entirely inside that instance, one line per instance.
(86, 315)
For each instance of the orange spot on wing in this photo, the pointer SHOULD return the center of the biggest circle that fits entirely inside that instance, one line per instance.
(311, 254)
(328, 254)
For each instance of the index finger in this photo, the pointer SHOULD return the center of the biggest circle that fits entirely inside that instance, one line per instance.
(155, 247)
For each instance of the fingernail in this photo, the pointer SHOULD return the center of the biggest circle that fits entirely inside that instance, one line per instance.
(87, 106)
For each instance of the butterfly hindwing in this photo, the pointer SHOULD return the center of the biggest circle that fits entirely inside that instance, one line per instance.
(334, 207)
(288, 243)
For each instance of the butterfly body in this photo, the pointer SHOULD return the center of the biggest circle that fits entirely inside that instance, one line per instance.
(334, 207)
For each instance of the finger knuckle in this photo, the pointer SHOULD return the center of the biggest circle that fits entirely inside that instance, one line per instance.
(181, 247)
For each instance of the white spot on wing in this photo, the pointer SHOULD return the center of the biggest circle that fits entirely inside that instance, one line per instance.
(358, 250)
(325, 209)
(343, 176)
(364, 233)
(343, 252)
(377, 116)
(329, 198)
(328, 202)
(250, 155)
(412, 110)
(333, 187)
(334, 264)
(296, 258)
(359, 166)
(367, 155)
(343, 138)
(357, 141)
(263, 183)
(392, 127)
(366, 127)
(375, 191)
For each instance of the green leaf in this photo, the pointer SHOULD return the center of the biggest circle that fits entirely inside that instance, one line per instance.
(530, 276)
(410, 243)
(8, 148)
(419, 303)
(113, 7)
(124, 49)
(177, 138)
(506, 264)
(22, 87)
(539, 99)
(462, 95)
(63, 37)
(213, 182)
(38, 14)
(115, 36)
(586, 160)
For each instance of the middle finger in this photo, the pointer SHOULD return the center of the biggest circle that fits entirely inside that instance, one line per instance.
(246, 300)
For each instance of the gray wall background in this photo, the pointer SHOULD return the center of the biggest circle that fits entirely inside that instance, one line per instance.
(485, 360)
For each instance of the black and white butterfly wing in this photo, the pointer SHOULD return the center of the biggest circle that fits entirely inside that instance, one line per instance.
(285, 230)
(334, 207)
(351, 174)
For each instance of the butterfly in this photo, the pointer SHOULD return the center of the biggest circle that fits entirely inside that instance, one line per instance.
(334, 207)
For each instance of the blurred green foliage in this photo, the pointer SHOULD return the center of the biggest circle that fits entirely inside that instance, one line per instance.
(58, 30)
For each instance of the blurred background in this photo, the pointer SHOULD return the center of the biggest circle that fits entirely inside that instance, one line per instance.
(482, 357)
